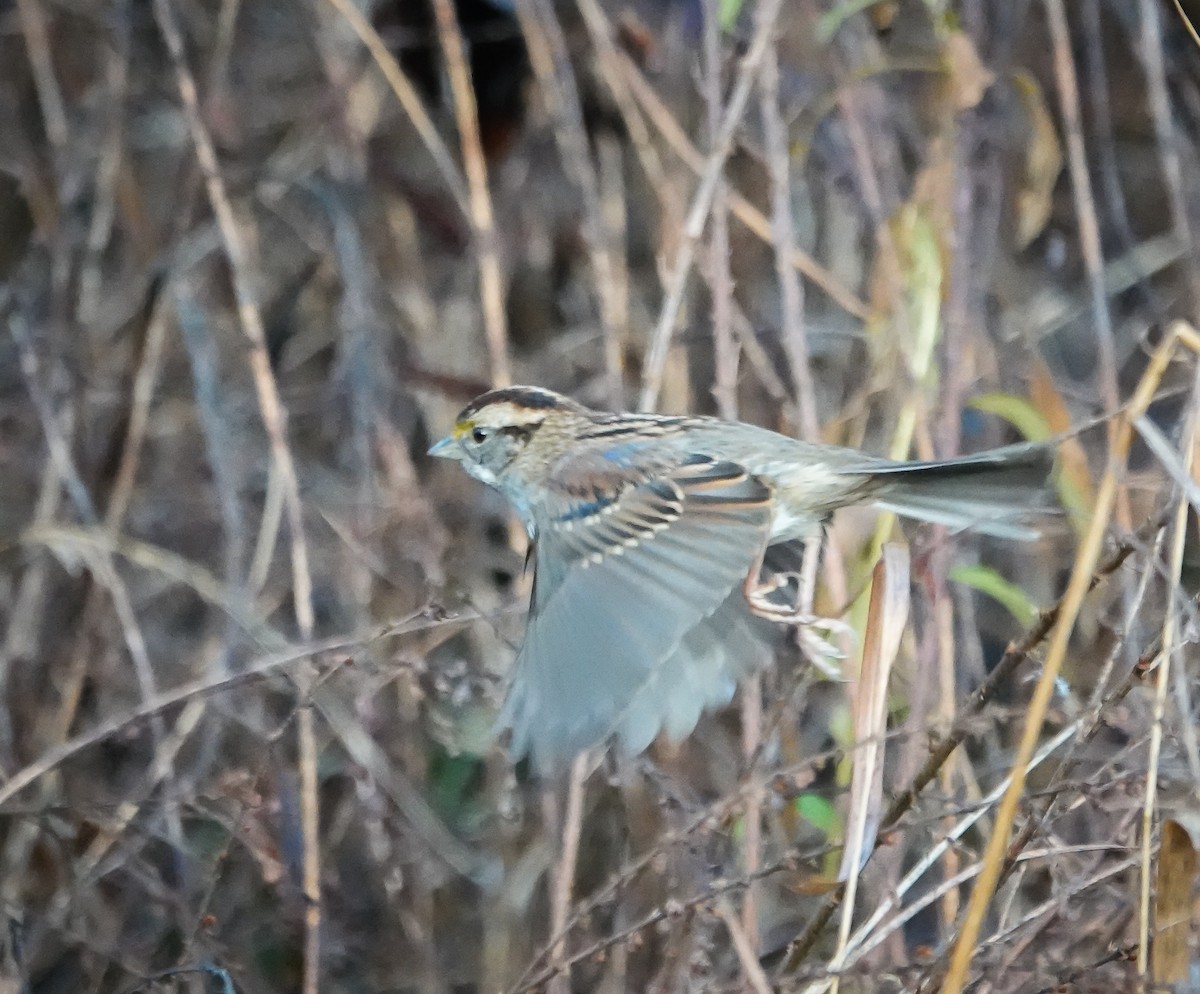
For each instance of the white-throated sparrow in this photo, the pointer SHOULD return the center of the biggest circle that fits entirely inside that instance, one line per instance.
(650, 534)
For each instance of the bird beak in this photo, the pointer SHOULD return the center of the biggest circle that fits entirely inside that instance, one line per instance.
(447, 448)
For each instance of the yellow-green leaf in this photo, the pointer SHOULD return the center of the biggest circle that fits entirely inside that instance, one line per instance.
(987, 581)
(727, 13)
(1017, 411)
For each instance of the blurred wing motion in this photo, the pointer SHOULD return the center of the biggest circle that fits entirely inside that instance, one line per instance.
(635, 616)
(994, 493)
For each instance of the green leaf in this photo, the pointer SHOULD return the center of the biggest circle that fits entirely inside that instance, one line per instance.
(1017, 411)
(727, 13)
(987, 581)
(819, 813)
(454, 787)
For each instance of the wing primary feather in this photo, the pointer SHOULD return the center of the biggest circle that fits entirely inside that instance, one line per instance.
(605, 648)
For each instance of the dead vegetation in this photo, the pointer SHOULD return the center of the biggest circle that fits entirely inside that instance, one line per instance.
(253, 257)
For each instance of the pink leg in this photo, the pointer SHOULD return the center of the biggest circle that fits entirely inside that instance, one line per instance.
(758, 590)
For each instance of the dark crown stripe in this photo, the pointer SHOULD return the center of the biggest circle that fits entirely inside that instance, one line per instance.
(538, 400)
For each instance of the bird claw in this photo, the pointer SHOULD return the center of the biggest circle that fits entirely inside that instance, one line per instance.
(759, 591)
(820, 649)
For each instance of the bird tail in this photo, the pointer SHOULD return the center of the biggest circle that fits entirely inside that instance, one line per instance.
(1000, 493)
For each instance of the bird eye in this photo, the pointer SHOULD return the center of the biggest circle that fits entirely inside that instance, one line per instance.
(479, 435)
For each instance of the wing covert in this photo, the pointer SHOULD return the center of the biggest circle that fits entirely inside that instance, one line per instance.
(618, 585)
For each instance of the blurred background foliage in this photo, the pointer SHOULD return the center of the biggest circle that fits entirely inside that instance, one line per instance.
(255, 254)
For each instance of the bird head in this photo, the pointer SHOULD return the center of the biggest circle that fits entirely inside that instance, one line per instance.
(496, 428)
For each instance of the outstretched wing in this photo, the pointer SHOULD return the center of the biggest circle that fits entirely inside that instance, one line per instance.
(619, 584)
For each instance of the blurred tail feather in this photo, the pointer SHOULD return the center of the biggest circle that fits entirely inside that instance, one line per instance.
(999, 493)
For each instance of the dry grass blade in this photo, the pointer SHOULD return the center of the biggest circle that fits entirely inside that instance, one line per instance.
(887, 617)
(1187, 21)
(1171, 955)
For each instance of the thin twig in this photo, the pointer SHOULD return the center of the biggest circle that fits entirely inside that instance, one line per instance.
(144, 381)
(672, 909)
(1105, 147)
(1166, 136)
(609, 60)
(623, 74)
(23, 632)
(107, 172)
(87, 867)
(223, 46)
(208, 392)
(101, 560)
(1013, 656)
(793, 328)
(1080, 582)
(725, 390)
(564, 870)
(1098, 705)
(942, 623)
(745, 946)
(712, 815)
(720, 280)
(701, 206)
(548, 54)
(50, 99)
(409, 100)
(951, 883)
(1085, 212)
(284, 658)
(102, 563)
(1162, 682)
(274, 419)
(466, 113)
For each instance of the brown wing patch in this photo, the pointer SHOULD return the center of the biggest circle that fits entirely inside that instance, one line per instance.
(608, 526)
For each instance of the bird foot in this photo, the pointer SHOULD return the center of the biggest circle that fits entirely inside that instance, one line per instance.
(821, 651)
(762, 594)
